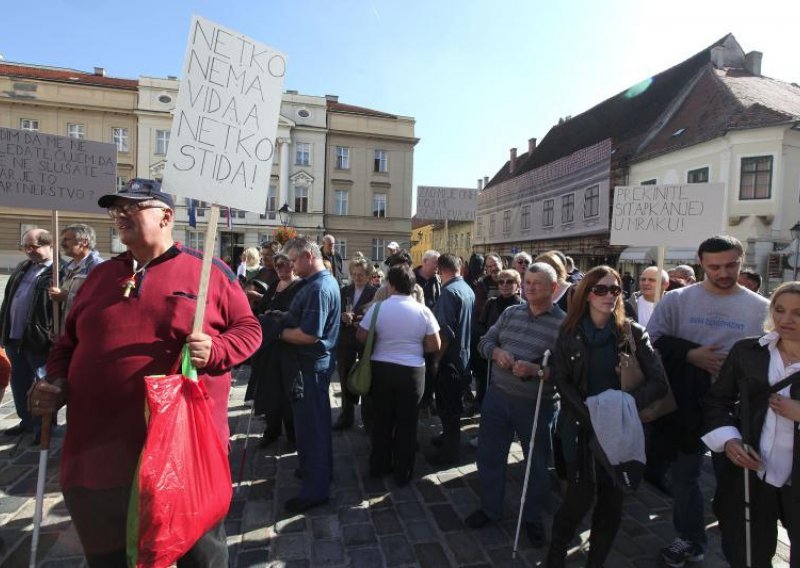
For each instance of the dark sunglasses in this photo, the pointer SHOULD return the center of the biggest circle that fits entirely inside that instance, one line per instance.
(522, 261)
(602, 290)
(509, 281)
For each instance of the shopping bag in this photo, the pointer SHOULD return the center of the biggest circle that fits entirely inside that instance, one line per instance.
(182, 486)
(359, 379)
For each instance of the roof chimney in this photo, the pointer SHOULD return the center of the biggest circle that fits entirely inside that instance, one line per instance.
(718, 56)
(485, 181)
(512, 161)
(332, 98)
(531, 145)
(752, 62)
(100, 71)
(480, 184)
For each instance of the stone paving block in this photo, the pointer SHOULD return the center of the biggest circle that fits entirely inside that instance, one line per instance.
(326, 527)
(257, 514)
(236, 509)
(431, 555)
(351, 515)
(430, 491)
(20, 556)
(75, 562)
(410, 511)
(290, 524)
(446, 518)
(375, 486)
(356, 535)
(465, 548)
(421, 531)
(67, 545)
(367, 557)
(491, 536)
(396, 550)
(255, 538)
(386, 522)
(327, 552)
(287, 546)
(501, 557)
(11, 474)
(403, 494)
(255, 558)
(380, 502)
(11, 503)
(345, 477)
(300, 563)
(348, 496)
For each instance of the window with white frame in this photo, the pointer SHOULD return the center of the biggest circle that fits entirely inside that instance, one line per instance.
(342, 158)
(506, 221)
(162, 142)
(700, 175)
(76, 131)
(480, 226)
(591, 202)
(117, 246)
(341, 247)
(547, 212)
(200, 210)
(525, 218)
(379, 205)
(755, 181)
(378, 250)
(301, 199)
(29, 124)
(302, 154)
(121, 181)
(381, 161)
(492, 224)
(120, 138)
(340, 199)
(195, 239)
(568, 208)
(272, 201)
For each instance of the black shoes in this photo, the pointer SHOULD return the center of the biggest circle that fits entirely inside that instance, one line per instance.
(477, 519)
(16, 430)
(296, 505)
(267, 439)
(342, 424)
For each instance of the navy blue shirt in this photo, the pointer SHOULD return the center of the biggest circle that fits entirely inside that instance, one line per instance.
(317, 310)
(454, 314)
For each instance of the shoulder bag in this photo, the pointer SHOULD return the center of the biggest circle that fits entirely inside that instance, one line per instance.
(359, 378)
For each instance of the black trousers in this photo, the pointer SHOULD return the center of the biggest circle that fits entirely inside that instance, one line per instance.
(395, 395)
(100, 517)
(768, 505)
(606, 517)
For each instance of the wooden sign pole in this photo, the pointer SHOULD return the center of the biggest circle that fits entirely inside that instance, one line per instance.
(205, 271)
(660, 262)
(56, 279)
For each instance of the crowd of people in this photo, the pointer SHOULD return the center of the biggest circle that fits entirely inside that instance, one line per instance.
(565, 362)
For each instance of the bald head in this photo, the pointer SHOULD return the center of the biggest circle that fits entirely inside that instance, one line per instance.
(649, 280)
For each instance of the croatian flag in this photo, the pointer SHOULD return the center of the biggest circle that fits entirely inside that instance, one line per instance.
(230, 218)
(192, 213)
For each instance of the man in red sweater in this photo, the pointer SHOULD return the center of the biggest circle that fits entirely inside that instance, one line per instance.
(130, 319)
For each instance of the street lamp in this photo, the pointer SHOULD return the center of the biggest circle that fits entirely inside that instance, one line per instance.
(795, 231)
(285, 214)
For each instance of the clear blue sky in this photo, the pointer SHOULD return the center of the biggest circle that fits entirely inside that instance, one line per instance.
(479, 77)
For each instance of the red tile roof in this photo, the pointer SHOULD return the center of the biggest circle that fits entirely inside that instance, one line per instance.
(60, 75)
(341, 107)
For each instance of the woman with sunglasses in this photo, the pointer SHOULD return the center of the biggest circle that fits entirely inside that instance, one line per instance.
(585, 364)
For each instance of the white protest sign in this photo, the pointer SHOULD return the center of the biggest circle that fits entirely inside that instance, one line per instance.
(450, 203)
(226, 118)
(45, 171)
(667, 215)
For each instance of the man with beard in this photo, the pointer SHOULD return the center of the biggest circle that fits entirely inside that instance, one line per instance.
(694, 328)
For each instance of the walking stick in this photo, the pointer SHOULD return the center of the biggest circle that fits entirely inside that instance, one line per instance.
(530, 456)
(244, 452)
(744, 392)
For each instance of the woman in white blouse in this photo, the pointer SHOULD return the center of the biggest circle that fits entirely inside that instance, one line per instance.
(752, 413)
(404, 331)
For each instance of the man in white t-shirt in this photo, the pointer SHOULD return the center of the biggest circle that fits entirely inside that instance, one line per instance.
(640, 306)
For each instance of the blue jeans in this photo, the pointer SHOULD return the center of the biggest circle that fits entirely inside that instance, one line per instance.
(687, 508)
(312, 431)
(502, 416)
(23, 373)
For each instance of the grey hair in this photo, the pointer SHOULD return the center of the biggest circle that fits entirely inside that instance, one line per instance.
(497, 259)
(524, 255)
(428, 254)
(303, 244)
(685, 270)
(83, 232)
(328, 238)
(359, 262)
(544, 268)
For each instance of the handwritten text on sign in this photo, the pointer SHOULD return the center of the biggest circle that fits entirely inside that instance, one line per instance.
(666, 214)
(452, 203)
(44, 171)
(223, 132)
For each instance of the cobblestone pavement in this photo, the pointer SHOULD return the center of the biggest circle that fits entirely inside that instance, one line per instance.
(367, 522)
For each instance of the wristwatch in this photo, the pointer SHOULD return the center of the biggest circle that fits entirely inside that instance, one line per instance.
(540, 372)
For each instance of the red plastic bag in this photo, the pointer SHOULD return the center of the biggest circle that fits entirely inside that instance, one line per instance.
(183, 484)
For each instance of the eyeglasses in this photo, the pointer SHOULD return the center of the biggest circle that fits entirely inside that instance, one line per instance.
(522, 261)
(504, 282)
(131, 208)
(602, 290)
(31, 247)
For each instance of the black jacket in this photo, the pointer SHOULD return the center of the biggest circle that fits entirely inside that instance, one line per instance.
(337, 270)
(39, 325)
(347, 333)
(431, 287)
(571, 376)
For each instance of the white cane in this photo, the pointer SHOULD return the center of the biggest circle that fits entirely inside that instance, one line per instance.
(40, 483)
(530, 456)
(747, 538)
(244, 451)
